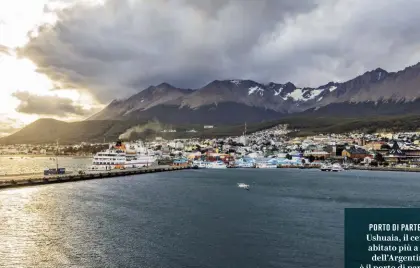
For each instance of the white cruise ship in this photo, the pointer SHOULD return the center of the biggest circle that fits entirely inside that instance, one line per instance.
(122, 155)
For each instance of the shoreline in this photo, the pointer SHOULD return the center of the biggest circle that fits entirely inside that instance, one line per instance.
(394, 169)
(387, 169)
(391, 169)
(20, 180)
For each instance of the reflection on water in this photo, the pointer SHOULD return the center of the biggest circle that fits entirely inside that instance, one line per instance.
(25, 164)
(21, 219)
(40, 228)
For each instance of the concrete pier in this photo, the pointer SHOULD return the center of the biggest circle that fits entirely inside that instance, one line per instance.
(39, 179)
(29, 180)
(396, 169)
(399, 169)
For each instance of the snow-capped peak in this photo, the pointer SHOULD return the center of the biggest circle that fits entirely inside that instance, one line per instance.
(255, 89)
(332, 88)
(315, 93)
(276, 93)
(236, 82)
(296, 94)
(300, 94)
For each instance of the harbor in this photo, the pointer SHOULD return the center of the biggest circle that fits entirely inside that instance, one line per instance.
(101, 171)
(17, 180)
(264, 149)
(268, 149)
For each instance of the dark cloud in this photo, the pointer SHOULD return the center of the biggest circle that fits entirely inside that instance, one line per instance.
(48, 105)
(125, 45)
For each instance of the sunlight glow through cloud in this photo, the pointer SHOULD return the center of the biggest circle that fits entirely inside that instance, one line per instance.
(19, 19)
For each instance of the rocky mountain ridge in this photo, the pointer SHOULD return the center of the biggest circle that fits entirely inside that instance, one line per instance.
(275, 99)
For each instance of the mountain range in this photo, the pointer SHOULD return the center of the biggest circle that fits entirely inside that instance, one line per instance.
(374, 94)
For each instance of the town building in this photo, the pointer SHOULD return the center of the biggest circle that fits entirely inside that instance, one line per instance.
(354, 153)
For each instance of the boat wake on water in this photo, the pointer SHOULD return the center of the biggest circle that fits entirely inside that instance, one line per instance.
(243, 186)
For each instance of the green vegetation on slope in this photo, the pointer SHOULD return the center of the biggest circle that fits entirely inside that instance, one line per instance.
(315, 125)
(49, 130)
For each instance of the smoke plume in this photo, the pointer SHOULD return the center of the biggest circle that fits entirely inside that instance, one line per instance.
(141, 129)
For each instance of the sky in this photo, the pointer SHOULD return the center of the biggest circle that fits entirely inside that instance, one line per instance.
(67, 59)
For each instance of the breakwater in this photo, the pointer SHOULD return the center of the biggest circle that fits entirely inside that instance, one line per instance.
(399, 169)
(38, 179)
(300, 167)
(396, 169)
(34, 180)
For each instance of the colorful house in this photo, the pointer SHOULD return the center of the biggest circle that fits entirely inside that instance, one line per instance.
(355, 153)
(395, 154)
(182, 162)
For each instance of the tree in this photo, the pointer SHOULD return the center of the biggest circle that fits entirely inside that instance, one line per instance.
(266, 143)
(379, 158)
(311, 158)
(385, 147)
(158, 147)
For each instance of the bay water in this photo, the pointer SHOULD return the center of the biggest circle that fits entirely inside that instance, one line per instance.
(194, 218)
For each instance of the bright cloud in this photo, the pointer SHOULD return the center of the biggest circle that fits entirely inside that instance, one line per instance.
(19, 20)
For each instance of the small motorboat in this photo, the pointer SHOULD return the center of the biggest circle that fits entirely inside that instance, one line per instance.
(198, 164)
(243, 186)
(266, 165)
(326, 167)
(337, 168)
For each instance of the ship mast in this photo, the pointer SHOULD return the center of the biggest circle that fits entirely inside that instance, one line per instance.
(56, 157)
